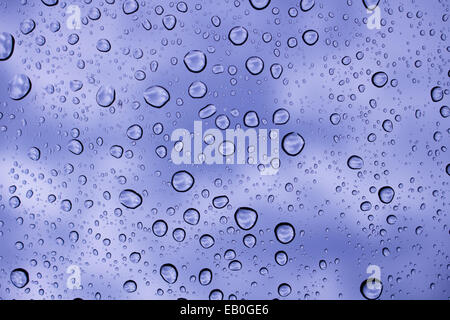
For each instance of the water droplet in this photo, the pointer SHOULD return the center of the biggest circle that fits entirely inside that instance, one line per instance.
(103, 45)
(116, 151)
(135, 132)
(281, 258)
(259, 4)
(379, 79)
(169, 21)
(197, 89)
(169, 273)
(254, 65)
(19, 277)
(195, 61)
(371, 4)
(130, 286)
(14, 202)
(6, 46)
(387, 125)
(27, 26)
(306, 5)
(280, 116)
(220, 202)
(19, 87)
(216, 294)
(293, 143)
(156, 96)
(365, 206)
(207, 111)
(355, 162)
(106, 96)
(205, 277)
(75, 146)
(135, 257)
(130, 199)
(191, 216)
(182, 181)
(284, 290)
(371, 289)
(179, 234)
(130, 6)
(391, 219)
(251, 119)
(386, 194)
(238, 35)
(34, 154)
(50, 2)
(276, 70)
(284, 232)
(159, 228)
(437, 94)
(245, 218)
(310, 37)
(207, 241)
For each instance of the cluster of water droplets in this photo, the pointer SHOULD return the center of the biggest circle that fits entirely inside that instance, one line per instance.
(87, 112)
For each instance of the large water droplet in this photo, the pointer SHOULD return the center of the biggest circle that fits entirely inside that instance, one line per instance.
(276, 70)
(371, 4)
(437, 94)
(355, 162)
(19, 277)
(284, 290)
(169, 273)
(284, 232)
(130, 286)
(306, 5)
(6, 45)
(34, 154)
(254, 65)
(207, 111)
(156, 96)
(169, 21)
(371, 289)
(182, 181)
(197, 89)
(130, 199)
(280, 116)
(27, 26)
(103, 45)
(310, 37)
(159, 228)
(220, 202)
(50, 2)
(207, 241)
(293, 143)
(191, 216)
(245, 218)
(379, 79)
(251, 119)
(238, 35)
(19, 87)
(130, 6)
(281, 258)
(75, 146)
(386, 194)
(195, 61)
(205, 277)
(135, 132)
(259, 4)
(106, 96)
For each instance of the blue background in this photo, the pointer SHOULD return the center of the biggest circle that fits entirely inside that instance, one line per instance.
(324, 204)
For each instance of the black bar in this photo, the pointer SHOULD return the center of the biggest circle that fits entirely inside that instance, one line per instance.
(199, 309)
